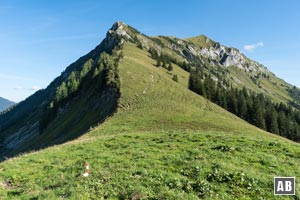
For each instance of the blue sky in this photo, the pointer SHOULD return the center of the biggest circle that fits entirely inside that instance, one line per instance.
(39, 38)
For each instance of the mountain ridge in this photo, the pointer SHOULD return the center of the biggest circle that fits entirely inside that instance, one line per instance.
(5, 103)
(25, 126)
(49, 105)
(163, 142)
(258, 77)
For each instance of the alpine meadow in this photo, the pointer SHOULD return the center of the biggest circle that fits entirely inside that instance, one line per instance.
(156, 118)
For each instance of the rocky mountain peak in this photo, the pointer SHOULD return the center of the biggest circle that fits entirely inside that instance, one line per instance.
(115, 35)
(119, 29)
(117, 25)
(225, 56)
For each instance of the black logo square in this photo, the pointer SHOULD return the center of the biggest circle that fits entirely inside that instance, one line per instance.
(284, 185)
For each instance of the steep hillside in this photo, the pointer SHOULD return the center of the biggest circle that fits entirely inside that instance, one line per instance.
(164, 142)
(230, 79)
(147, 135)
(240, 70)
(4, 104)
(69, 106)
(225, 63)
(88, 90)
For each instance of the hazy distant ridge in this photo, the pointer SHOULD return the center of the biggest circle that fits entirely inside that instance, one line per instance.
(4, 104)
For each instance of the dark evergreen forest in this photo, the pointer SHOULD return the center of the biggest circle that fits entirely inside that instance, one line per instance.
(255, 108)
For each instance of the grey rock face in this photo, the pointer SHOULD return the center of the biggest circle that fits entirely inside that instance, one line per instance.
(218, 53)
(226, 57)
(115, 33)
(118, 29)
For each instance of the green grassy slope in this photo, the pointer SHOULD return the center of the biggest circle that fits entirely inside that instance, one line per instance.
(188, 50)
(165, 142)
(273, 87)
(201, 41)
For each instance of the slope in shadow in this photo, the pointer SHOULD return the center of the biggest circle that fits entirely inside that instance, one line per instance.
(85, 94)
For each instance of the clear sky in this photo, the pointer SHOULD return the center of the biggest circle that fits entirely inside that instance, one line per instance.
(39, 38)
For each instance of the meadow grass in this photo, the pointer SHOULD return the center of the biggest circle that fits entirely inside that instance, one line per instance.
(164, 142)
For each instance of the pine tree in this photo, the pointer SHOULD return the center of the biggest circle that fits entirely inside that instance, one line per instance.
(232, 102)
(72, 83)
(218, 97)
(282, 123)
(209, 87)
(271, 120)
(175, 78)
(158, 63)
(139, 45)
(164, 64)
(258, 114)
(170, 67)
(86, 68)
(242, 106)
(202, 89)
(61, 92)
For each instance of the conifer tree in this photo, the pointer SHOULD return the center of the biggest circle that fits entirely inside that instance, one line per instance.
(175, 78)
(164, 64)
(72, 83)
(271, 120)
(158, 63)
(170, 67)
(242, 106)
(61, 92)
(258, 114)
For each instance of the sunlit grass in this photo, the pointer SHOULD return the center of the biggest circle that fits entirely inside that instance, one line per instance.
(165, 142)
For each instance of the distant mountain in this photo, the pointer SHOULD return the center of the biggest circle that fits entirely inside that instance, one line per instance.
(4, 104)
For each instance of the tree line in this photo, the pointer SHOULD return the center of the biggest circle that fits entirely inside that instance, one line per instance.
(165, 61)
(99, 73)
(256, 109)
